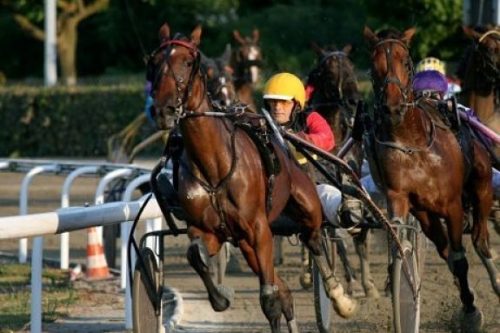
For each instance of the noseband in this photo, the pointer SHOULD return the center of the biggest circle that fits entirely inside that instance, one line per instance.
(405, 90)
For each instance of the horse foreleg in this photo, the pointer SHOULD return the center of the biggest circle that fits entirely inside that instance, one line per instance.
(458, 265)
(361, 243)
(198, 255)
(287, 305)
(275, 297)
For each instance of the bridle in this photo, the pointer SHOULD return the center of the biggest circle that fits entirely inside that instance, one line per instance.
(183, 89)
(487, 66)
(407, 102)
(380, 87)
(341, 58)
(243, 64)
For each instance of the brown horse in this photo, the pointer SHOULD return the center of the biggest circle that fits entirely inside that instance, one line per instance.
(246, 61)
(222, 185)
(480, 73)
(420, 165)
(335, 97)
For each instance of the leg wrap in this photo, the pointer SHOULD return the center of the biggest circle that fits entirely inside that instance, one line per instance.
(324, 268)
(459, 267)
(198, 255)
(270, 302)
(455, 256)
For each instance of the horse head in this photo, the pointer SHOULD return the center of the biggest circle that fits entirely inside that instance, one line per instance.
(220, 77)
(392, 69)
(486, 51)
(178, 86)
(247, 57)
(334, 74)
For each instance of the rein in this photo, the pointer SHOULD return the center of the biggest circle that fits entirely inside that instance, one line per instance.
(406, 104)
(486, 67)
(409, 149)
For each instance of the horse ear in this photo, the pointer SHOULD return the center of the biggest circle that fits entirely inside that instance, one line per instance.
(237, 37)
(196, 35)
(316, 48)
(164, 33)
(255, 35)
(470, 32)
(370, 36)
(408, 35)
(347, 49)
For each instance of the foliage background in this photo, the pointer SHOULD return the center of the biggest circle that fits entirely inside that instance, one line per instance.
(113, 43)
(109, 42)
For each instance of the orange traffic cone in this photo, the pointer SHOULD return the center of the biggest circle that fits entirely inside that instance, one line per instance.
(97, 267)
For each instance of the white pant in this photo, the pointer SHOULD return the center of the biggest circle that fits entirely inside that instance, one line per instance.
(330, 198)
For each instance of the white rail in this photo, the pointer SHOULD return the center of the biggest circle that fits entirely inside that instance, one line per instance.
(69, 218)
(75, 218)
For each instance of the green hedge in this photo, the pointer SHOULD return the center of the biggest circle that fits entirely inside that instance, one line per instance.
(40, 122)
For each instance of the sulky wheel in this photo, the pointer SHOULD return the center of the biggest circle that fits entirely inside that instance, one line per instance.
(146, 295)
(406, 291)
(322, 303)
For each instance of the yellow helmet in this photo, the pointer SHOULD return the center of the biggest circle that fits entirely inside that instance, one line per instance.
(285, 86)
(431, 64)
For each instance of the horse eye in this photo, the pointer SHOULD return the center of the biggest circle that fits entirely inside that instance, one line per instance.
(189, 63)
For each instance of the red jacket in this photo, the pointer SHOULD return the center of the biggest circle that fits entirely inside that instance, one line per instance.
(318, 132)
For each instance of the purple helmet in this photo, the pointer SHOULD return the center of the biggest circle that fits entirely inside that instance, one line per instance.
(430, 80)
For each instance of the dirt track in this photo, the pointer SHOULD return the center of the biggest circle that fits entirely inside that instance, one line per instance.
(102, 310)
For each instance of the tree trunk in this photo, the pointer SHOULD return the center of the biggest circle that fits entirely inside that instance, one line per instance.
(66, 49)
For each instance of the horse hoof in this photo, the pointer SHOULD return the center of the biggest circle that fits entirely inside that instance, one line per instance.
(343, 305)
(371, 291)
(472, 322)
(223, 299)
(306, 280)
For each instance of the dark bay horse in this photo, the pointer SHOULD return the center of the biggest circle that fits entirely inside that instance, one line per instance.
(220, 77)
(335, 96)
(246, 61)
(222, 185)
(480, 74)
(420, 165)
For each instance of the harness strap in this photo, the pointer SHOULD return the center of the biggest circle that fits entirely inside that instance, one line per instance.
(409, 149)
(214, 190)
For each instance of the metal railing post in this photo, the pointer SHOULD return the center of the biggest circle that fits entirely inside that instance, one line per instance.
(125, 235)
(68, 182)
(37, 251)
(101, 188)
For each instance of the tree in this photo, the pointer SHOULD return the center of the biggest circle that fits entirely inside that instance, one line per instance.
(29, 16)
